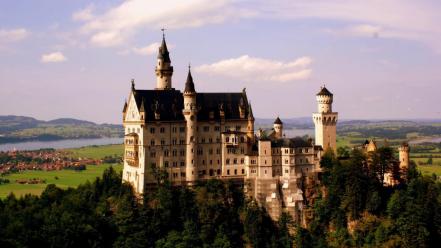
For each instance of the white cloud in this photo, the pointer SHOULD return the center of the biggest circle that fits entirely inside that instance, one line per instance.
(13, 35)
(150, 49)
(118, 24)
(260, 69)
(54, 57)
(401, 19)
(147, 50)
(84, 14)
(398, 19)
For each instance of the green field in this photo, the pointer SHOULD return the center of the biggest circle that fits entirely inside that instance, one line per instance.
(430, 169)
(66, 178)
(97, 152)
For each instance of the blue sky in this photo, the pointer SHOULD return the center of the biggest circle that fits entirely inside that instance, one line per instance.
(381, 59)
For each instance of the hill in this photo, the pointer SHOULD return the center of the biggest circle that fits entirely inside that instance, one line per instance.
(22, 128)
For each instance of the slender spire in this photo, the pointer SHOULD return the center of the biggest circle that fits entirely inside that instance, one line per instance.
(163, 50)
(189, 85)
(142, 108)
(250, 112)
(133, 84)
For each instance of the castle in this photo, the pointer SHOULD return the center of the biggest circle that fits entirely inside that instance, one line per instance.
(196, 136)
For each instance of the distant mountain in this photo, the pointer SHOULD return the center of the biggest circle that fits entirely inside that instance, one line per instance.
(9, 123)
(70, 121)
(21, 128)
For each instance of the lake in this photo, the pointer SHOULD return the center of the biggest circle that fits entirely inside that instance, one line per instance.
(75, 143)
(59, 144)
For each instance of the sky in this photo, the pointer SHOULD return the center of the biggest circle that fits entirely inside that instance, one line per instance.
(380, 58)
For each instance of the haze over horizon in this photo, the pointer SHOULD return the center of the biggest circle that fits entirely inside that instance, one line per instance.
(380, 59)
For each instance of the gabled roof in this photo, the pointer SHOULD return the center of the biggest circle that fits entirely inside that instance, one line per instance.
(278, 121)
(324, 92)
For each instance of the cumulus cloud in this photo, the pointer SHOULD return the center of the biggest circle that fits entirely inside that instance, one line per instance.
(251, 68)
(84, 14)
(150, 49)
(13, 35)
(55, 57)
(147, 50)
(376, 18)
(118, 24)
(400, 19)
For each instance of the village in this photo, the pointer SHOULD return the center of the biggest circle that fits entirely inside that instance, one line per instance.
(44, 159)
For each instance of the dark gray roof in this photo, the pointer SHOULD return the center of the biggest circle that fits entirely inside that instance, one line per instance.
(278, 121)
(169, 105)
(291, 142)
(324, 92)
(163, 52)
(189, 84)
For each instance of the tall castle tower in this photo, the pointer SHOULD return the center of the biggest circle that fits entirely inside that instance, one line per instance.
(190, 114)
(164, 70)
(403, 154)
(325, 121)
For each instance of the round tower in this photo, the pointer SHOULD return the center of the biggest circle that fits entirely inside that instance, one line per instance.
(163, 70)
(190, 114)
(403, 155)
(324, 100)
(278, 128)
(325, 121)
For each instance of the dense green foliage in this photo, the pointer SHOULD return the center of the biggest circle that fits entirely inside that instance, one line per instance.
(358, 211)
(355, 210)
(106, 213)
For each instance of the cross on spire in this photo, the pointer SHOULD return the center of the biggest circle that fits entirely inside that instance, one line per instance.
(163, 31)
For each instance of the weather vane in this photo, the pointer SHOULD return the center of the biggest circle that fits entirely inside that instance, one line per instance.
(163, 31)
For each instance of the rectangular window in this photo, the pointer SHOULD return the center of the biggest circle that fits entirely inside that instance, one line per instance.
(206, 128)
(216, 128)
(162, 130)
(152, 130)
(182, 129)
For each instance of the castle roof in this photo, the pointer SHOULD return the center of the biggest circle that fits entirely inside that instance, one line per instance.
(189, 84)
(291, 142)
(163, 52)
(170, 103)
(324, 92)
(278, 121)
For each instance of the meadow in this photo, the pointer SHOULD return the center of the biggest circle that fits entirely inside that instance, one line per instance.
(63, 178)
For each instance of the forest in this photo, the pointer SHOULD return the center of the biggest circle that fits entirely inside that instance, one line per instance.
(354, 210)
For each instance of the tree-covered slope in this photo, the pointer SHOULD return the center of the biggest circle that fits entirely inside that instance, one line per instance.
(21, 128)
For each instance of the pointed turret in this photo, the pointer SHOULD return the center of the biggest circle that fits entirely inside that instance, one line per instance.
(278, 121)
(250, 112)
(164, 70)
(189, 84)
(278, 128)
(163, 54)
(142, 108)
